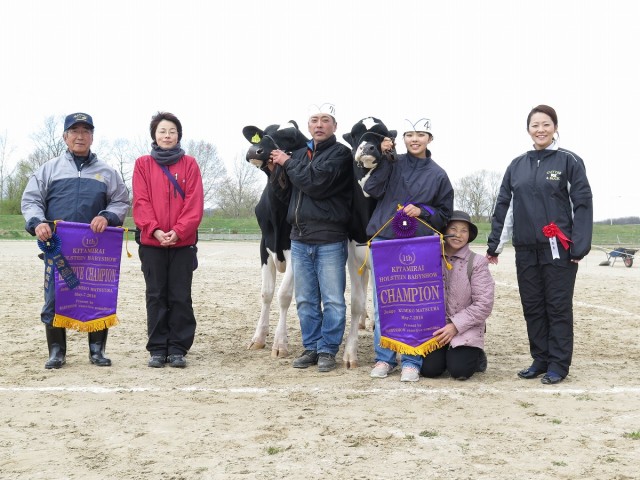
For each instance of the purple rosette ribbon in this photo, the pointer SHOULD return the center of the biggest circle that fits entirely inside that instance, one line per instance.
(53, 257)
(403, 225)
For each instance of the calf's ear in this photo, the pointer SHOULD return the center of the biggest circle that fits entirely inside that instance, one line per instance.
(252, 134)
(348, 138)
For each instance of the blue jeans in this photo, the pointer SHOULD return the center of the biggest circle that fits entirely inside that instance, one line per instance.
(320, 278)
(385, 354)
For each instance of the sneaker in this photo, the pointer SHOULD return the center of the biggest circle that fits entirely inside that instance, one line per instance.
(410, 374)
(157, 361)
(482, 362)
(381, 370)
(326, 362)
(176, 360)
(308, 358)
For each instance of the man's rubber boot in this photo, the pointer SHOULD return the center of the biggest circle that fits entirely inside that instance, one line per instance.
(97, 344)
(57, 343)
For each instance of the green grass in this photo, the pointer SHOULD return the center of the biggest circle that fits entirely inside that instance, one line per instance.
(12, 226)
(605, 235)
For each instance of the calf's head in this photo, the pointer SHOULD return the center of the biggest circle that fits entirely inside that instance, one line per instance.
(286, 137)
(366, 139)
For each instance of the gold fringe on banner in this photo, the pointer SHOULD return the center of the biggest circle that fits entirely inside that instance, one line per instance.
(426, 348)
(90, 326)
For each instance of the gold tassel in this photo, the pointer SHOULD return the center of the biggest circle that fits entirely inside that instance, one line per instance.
(90, 326)
(366, 256)
(126, 241)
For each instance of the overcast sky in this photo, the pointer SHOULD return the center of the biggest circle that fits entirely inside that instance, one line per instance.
(475, 68)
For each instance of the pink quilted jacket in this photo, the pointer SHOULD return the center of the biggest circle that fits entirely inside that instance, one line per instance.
(468, 303)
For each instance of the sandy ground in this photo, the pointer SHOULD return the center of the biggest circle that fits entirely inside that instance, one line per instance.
(238, 414)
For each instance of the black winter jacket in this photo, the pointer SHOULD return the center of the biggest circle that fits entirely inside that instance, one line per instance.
(418, 181)
(540, 187)
(321, 178)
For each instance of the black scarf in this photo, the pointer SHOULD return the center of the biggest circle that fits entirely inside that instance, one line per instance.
(166, 157)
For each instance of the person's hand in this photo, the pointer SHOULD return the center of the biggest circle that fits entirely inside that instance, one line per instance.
(575, 260)
(270, 165)
(170, 239)
(159, 235)
(43, 231)
(99, 224)
(412, 210)
(445, 334)
(491, 259)
(279, 157)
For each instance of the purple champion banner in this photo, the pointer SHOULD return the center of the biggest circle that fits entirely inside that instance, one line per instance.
(410, 293)
(95, 259)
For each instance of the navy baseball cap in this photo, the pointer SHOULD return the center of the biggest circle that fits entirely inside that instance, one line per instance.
(79, 117)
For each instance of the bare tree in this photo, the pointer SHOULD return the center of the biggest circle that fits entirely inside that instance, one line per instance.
(211, 167)
(48, 141)
(238, 194)
(15, 183)
(122, 156)
(5, 153)
(476, 193)
(494, 181)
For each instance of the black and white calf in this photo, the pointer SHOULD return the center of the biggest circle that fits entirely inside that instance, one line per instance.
(366, 139)
(275, 245)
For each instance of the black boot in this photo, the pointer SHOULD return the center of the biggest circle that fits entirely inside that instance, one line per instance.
(57, 343)
(97, 344)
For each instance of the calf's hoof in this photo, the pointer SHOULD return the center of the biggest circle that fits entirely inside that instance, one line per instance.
(349, 364)
(279, 353)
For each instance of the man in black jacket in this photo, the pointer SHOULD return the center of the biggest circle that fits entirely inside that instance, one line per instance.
(319, 210)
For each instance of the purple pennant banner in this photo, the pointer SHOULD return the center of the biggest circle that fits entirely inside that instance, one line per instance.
(95, 259)
(410, 293)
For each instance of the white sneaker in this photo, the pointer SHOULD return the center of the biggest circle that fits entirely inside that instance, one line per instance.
(381, 370)
(410, 374)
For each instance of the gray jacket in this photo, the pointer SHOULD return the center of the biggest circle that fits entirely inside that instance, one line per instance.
(58, 191)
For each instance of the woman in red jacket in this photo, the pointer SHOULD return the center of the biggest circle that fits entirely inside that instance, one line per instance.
(168, 203)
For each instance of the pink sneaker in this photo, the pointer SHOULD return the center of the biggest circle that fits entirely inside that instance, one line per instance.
(410, 374)
(381, 370)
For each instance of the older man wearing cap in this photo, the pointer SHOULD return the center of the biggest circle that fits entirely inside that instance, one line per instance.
(75, 187)
(320, 196)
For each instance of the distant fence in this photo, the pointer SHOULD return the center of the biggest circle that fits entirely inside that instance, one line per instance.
(228, 234)
(204, 234)
(596, 239)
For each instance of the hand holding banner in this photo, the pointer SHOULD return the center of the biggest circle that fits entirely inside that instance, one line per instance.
(410, 293)
(95, 259)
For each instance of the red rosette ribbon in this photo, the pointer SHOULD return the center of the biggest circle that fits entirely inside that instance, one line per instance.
(552, 230)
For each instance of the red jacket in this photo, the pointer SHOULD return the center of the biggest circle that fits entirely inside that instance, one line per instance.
(158, 205)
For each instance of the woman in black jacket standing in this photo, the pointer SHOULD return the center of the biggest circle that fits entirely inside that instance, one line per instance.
(545, 204)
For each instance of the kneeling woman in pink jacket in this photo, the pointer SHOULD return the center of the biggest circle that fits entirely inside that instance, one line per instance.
(168, 204)
(469, 300)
